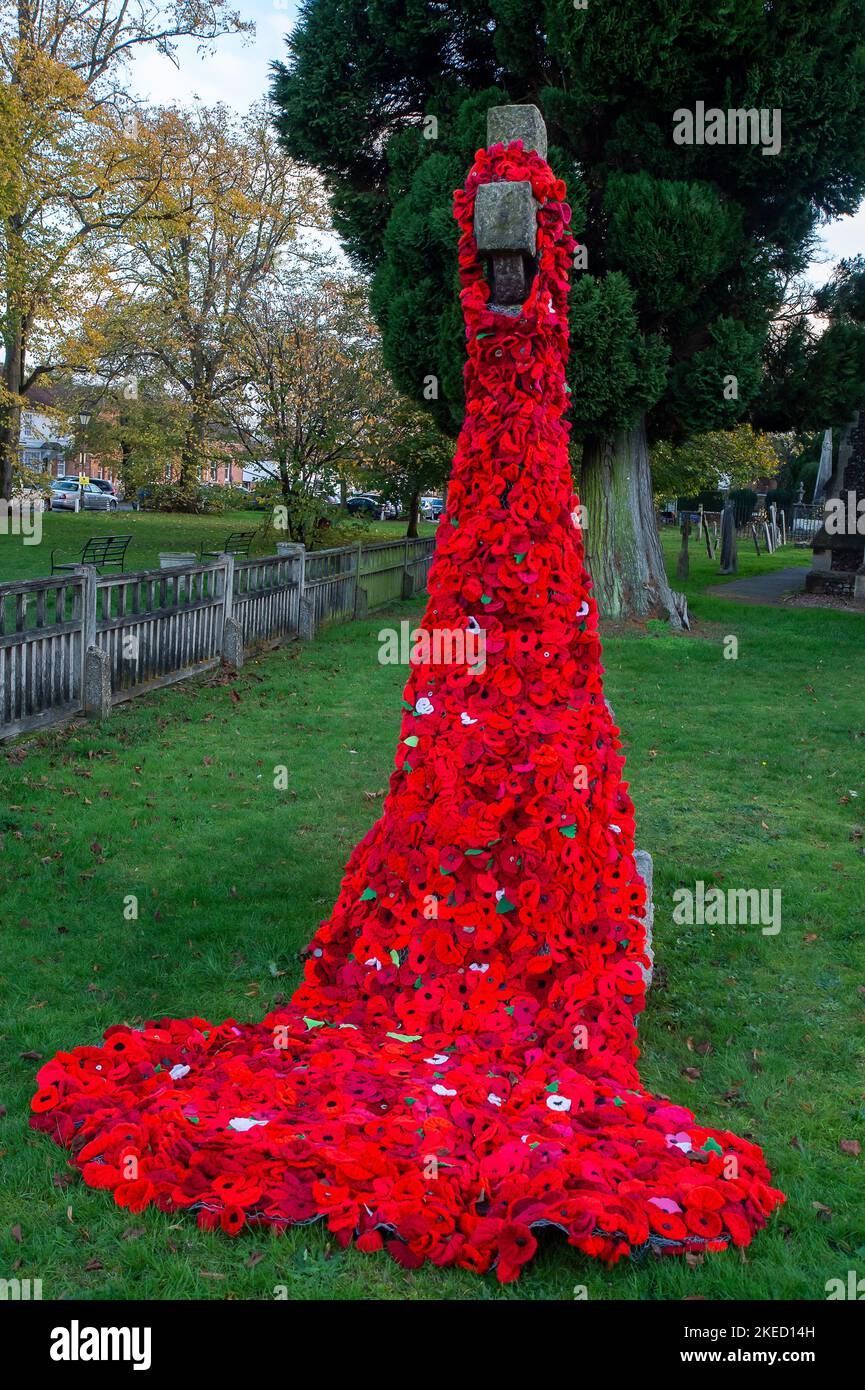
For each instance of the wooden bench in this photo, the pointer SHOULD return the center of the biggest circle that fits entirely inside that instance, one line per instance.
(236, 543)
(103, 552)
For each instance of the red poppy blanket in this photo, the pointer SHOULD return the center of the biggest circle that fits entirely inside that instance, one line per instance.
(458, 1067)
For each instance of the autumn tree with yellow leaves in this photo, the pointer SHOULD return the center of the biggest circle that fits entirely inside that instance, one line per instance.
(314, 408)
(73, 171)
(712, 461)
(222, 226)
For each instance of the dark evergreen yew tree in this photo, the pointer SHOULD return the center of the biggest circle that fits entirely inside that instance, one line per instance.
(688, 246)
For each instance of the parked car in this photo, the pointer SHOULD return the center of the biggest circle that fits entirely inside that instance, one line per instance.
(431, 508)
(102, 483)
(365, 504)
(67, 495)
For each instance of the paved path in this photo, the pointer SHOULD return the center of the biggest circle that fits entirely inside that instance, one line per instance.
(768, 588)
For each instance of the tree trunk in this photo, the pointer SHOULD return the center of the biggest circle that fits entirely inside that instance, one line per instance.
(413, 508)
(623, 548)
(10, 429)
(192, 453)
(10, 410)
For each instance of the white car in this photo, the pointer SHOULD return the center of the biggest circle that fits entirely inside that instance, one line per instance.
(67, 495)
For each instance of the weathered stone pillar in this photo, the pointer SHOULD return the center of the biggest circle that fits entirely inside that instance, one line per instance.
(296, 553)
(645, 869)
(232, 635)
(95, 663)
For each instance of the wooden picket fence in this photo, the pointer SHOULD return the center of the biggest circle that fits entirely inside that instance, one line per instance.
(347, 582)
(41, 642)
(80, 642)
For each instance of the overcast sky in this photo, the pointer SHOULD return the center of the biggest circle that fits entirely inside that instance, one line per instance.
(239, 72)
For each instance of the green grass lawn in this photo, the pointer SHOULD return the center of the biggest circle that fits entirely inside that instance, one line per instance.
(155, 531)
(745, 773)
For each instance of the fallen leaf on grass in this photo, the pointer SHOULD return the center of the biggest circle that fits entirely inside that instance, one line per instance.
(851, 1147)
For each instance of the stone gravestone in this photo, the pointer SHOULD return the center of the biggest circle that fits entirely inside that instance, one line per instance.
(729, 545)
(683, 563)
(505, 230)
(838, 566)
(824, 472)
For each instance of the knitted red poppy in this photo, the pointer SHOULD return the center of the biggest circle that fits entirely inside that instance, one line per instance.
(458, 1067)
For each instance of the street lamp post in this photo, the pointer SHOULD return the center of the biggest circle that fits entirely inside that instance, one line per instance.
(84, 421)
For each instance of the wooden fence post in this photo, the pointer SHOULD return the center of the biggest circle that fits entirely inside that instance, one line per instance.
(232, 636)
(361, 598)
(95, 663)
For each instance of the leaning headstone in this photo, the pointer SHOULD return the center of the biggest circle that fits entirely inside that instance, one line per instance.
(729, 548)
(824, 472)
(773, 523)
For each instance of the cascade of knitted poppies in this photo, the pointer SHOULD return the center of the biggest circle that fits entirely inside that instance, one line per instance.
(458, 1066)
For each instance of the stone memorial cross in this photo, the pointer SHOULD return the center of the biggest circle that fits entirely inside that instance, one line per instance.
(505, 231)
(506, 212)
